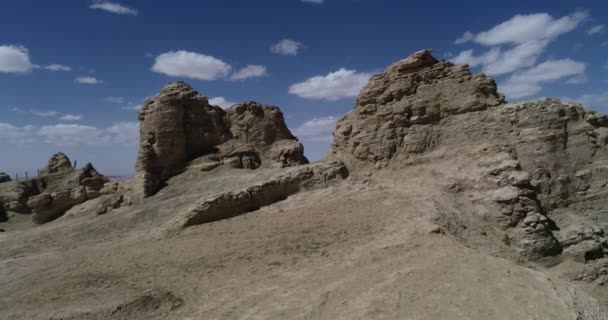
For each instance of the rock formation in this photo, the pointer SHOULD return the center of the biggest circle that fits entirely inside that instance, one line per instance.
(63, 190)
(4, 177)
(180, 125)
(58, 188)
(59, 162)
(534, 169)
(436, 192)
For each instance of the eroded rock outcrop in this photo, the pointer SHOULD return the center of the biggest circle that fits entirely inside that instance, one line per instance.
(63, 190)
(532, 169)
(59, 162)
(4, 177)
(58, 188)
(179, 125)
(268, 190)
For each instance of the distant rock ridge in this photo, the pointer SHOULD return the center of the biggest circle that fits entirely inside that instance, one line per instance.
(534, 174)
(58, 188)
(179, 125)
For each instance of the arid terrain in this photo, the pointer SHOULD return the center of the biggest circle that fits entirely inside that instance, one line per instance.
(437, 200)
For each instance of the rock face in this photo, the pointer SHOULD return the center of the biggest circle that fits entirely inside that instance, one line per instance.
(59, 162)
(263, 193)
(180, 125)
(61, 191)
(4, 177)
(536, 172)
(395, 112)
(58, 188)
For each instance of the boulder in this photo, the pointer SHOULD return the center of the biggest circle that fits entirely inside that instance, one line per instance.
(179, 125)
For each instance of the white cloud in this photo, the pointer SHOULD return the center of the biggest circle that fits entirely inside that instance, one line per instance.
(314, 1)
(286, 47)
(466, 37)
(117, 100)
(523, 28)
(124, 133)
(16, 135)
(45, 114)
(58, 67)
(596, 29)
(529, 82)
(467, 57)
(113, 7)
(71, 134)
(221, 102)
(87, 80)
(521, 56)
(70, 117)
(335, 85)
(191, 65)
(250, 71)
(15, 59)
(317, 129)
(526, 36)
(592, 100)
(133, 107)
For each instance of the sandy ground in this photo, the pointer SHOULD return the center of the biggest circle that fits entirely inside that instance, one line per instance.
(357, 250)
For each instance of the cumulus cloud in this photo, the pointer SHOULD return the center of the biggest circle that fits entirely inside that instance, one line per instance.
(87, 80)
(191, 65)
(221, 102)
(71, 117)
(15, 59)
(333, 86)
(466, 37)
(521, 56)
(317, 129)
(532, 27)
(526, 38)
(113, 7)
(286, 47)
(596, 29)
(529, 82)
(516, 46)
(468, 57)
(250, 71)
(70, 134)
(58, 67)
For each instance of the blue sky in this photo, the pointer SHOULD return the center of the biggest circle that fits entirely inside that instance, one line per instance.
(72, 73)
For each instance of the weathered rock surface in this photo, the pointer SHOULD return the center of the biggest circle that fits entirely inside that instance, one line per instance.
(14, 195)
(4, 177)
(532, 174)
(272, 189)
(58, 163)
(62, 190)
(180, 125)
(58, 188)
